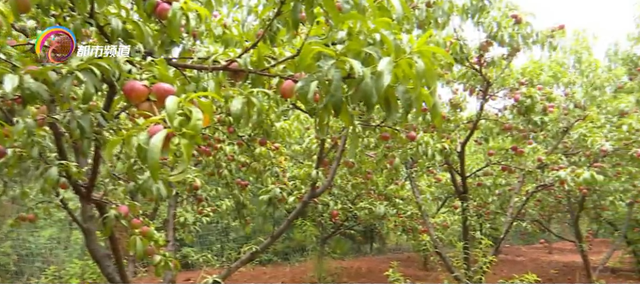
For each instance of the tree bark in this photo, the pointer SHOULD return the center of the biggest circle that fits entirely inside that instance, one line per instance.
(98, 253)
(439, 247)
(577, 232)
(114, 244)
(616, 243)
(297, 212)
(169, 276)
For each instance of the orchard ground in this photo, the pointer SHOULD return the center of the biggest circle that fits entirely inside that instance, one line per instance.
(562, 266)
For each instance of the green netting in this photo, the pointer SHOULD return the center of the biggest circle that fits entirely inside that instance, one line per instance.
(29, 249)
(55, 244)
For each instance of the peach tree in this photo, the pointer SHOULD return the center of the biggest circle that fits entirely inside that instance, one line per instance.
(517, 134)
(221, 107)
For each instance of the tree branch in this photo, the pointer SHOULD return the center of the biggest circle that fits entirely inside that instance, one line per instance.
(100, 28)
(217, 68)
(264, 33)
(552, 232)
(58, 137)
(114, 244)
(439, 248)
(97, 156)
(169, 276)
(616, 243)
(297, 212)
(292, 56)
(564, 134)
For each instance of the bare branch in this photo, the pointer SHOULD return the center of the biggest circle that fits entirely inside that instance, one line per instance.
(550, 231)
(294, 55)
(294, 215)
(615, 245)
(264, 33)
(439, 248)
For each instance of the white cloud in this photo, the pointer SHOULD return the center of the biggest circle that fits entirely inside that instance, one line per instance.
(609, 21)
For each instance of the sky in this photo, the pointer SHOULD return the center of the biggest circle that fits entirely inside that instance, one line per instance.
(609, 20)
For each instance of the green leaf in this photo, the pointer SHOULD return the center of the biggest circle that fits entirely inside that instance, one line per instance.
(109, 222)
(335, 98)
(174, 23)
(295, 15)
(171, 108)
(423, 39)
(390, 104)
(236, 108)
(346, 116)
(10, 82)
(312, 90)
(385, 72)
(139, 245)
(436, 113)
(368, 92)
(398, 5)
(356, 66)
(154, 152)
(111, 146)
(195, 124)
(437, 50)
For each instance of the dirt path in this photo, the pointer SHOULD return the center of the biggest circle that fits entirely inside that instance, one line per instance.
(560, 267)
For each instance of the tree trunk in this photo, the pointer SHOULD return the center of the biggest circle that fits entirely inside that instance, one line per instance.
(320, 267)
(169, 276)
(98, 253)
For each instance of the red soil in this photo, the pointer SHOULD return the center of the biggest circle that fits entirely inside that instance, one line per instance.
(563, 266)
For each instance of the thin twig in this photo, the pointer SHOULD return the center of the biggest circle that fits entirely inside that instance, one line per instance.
(264, 33)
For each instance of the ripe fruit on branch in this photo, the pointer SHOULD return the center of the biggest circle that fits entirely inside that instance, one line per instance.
(148, 109)
(411, 136)
(334, 214)
(154, 129)
(150, 251)
(299, 76)
(262, 142)
(23, 6)
(162, 91)
(237, 75)
(145, 231)
(491, 153)
(349, 164)
(516, 97)
(123, 210)
(303, 17)
(339, 6)
(196, 186)
(135, 92)
(63, 185)
(135, 223)
(31, 218)
(385, 136)
(162, 10)
(3, 152)
(287, 89)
